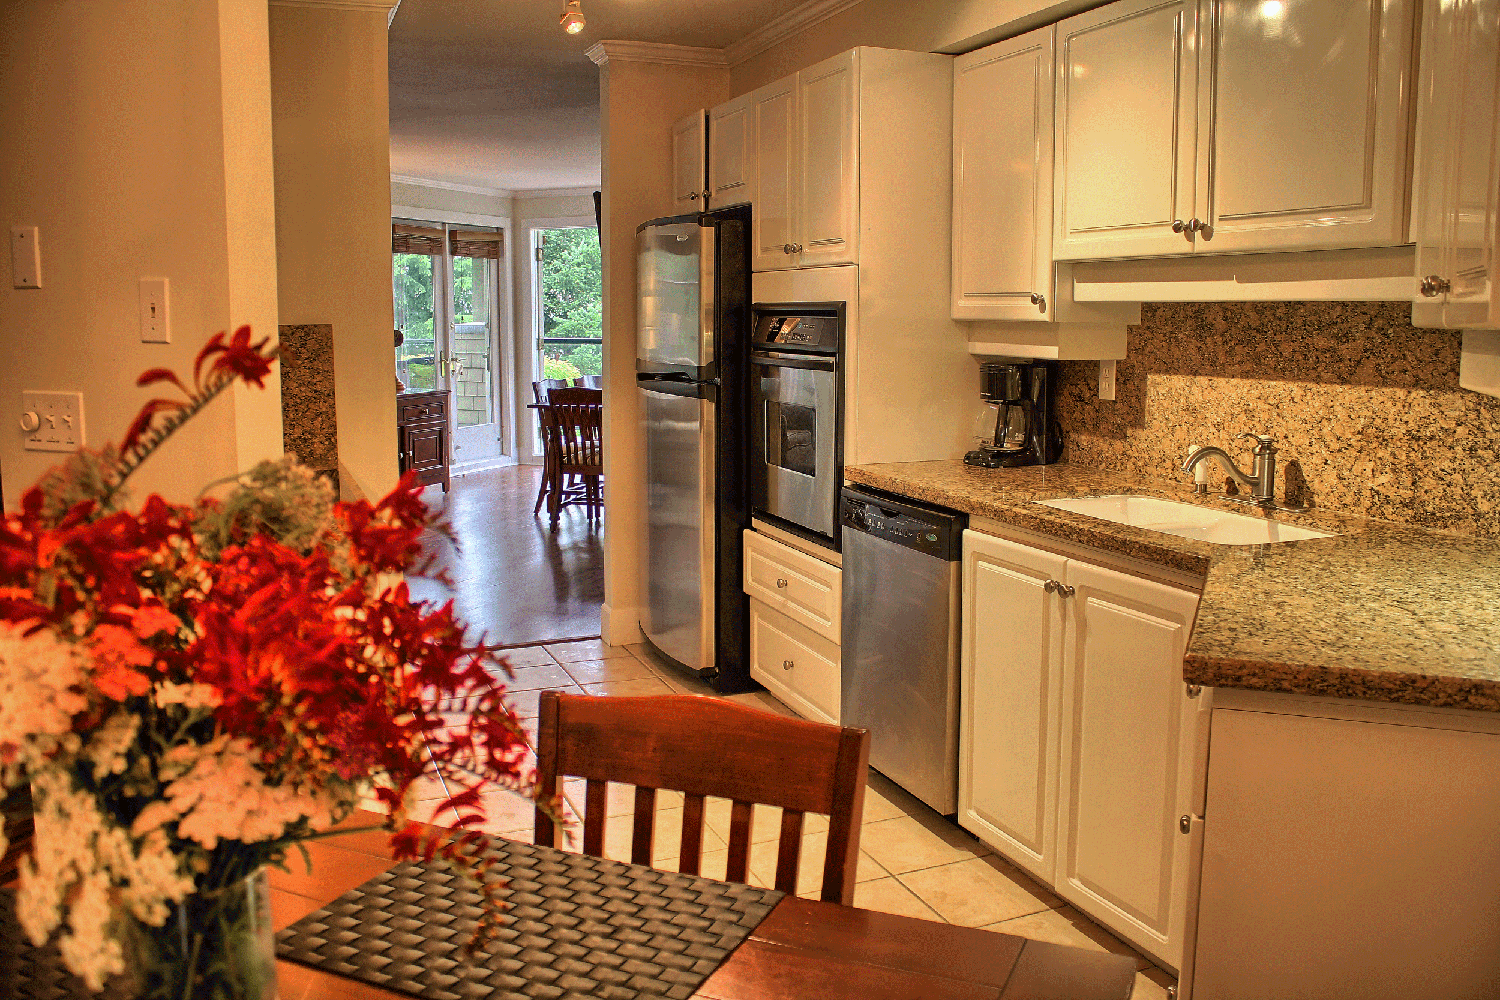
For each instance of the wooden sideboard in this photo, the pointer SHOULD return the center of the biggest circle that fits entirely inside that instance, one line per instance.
(422, 435)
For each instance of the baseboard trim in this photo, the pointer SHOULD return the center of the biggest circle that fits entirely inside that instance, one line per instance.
(620, 626)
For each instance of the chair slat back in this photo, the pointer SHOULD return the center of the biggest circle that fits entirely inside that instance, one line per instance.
(590, 382)
(707, 747)
(578, 415)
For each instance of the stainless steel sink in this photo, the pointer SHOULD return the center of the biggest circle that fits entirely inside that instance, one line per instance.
(1187, 520)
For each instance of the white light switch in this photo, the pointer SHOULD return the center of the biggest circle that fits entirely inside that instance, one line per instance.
(156, 317)
(52, 421)
(1106, 380)
(25, 257)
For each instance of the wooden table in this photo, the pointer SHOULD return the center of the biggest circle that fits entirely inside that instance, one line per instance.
(806, 949)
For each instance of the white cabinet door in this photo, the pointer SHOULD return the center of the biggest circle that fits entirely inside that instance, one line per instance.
(828, 162)
(1304, 125)
(1456, 192)
(1011, 683)
(774, 134)
(729, 153)
(1129, 738)
(689, 160)
(797, 666)
(1127, 112)
(1002, 179)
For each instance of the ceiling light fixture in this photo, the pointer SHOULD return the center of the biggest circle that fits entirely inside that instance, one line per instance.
(572, 19)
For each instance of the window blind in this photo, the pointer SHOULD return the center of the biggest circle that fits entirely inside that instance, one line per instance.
(476, 243)
(416, 239)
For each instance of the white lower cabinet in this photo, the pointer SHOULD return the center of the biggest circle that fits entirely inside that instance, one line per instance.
(1081, 750)
(795, 664)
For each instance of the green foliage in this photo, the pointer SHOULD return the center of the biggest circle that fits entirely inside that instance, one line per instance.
(412, 286)
(572, 275)
(558, 368)
(282, 499)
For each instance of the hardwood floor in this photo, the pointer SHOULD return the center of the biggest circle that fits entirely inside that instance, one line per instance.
(515, 578)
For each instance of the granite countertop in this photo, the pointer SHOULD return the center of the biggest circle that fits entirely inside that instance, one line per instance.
(1383, 611)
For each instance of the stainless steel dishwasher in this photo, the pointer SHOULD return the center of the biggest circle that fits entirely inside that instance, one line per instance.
(900, 639)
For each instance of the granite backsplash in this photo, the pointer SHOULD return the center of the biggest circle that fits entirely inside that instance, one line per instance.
(309, 421)
(1365, 408)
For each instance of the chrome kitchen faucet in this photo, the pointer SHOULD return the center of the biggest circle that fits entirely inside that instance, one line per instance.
(1261, 483)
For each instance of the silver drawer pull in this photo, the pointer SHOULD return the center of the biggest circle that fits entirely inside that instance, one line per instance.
(1058, 588)
(787, 664)
(781, 584)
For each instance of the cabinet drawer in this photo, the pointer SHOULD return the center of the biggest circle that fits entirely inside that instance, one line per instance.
(796, 665)
(425, 410)
(805, 589)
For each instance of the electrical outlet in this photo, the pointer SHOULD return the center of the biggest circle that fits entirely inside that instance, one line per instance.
(156, 314)
(1106, 380)
(25, 257)
(52, 421)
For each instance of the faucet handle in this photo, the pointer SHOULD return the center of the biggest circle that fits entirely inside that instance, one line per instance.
(1263, 442)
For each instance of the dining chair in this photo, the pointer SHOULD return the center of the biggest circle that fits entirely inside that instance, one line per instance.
(577, 425)
(541, 389)
(589, 382)
(702, 747)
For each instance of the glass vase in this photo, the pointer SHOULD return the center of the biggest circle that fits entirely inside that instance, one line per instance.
(215, 945)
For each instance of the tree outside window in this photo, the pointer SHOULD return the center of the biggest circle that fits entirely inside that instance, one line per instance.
(572, 304)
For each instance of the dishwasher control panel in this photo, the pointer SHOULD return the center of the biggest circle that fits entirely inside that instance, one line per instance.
(935, 533)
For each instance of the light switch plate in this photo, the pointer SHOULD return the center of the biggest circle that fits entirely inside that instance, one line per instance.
(1106, 380)
(156, 311)
(52, 421)
(25, 257)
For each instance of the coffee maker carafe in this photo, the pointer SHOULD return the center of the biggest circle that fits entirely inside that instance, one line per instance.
(1016, 424)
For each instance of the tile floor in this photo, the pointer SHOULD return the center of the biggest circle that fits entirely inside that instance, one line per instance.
(912, 861)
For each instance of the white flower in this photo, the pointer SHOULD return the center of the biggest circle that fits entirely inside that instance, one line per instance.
(90, 951)
(40, 682)
(107, 747)
(188, 695)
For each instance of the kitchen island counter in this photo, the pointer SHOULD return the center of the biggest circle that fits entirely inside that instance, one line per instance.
(1381, 612)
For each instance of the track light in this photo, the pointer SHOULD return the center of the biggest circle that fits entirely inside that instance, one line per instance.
(572, 20)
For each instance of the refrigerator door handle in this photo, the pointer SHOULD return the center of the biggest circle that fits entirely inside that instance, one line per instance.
(674, 387)
(707, 255)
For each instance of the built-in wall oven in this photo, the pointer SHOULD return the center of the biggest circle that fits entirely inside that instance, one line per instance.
(796, 381)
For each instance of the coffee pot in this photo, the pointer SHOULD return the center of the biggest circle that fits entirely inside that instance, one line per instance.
(1014, 424)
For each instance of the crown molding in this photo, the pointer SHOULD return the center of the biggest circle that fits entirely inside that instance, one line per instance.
(612, 50)
(449, 185)
(573, 192)
(774, 33)
(384, 6)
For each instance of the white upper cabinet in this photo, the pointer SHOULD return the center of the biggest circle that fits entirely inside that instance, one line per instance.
(1309, 114)
(1457, 195)
(1002, 179)
(828, 145)
(1127, 110)
(1232, 125)
(773, 122)
(729, 127)
(689, 161)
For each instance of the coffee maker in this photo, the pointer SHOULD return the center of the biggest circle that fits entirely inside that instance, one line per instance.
(1016, 423)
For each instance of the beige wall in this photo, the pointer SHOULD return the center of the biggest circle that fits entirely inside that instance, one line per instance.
(638, 104)
(135, 135)
(557, 207)
(406, 195)
(917, 25)
(333, 214)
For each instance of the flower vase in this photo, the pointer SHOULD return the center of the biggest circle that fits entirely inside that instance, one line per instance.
(215, 945)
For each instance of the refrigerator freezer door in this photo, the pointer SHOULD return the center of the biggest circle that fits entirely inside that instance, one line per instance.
(679, 562)
(675, 282)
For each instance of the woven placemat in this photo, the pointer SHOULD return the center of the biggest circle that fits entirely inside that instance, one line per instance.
(28, 973)
(577, 927)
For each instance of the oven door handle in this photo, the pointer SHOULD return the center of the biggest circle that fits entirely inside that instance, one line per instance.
(792, 361)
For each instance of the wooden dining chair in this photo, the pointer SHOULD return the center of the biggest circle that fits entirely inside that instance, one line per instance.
(577, 423)
(541, 389)
(589, 382)
(708, 747)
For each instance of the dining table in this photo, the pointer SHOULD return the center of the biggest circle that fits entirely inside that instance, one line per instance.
(803, 948)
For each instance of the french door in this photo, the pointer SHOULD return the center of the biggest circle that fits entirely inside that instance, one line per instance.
(446, 288)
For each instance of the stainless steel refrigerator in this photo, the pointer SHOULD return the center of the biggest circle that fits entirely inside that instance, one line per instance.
(692, 335)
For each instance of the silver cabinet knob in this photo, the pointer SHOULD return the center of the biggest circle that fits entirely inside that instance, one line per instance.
(1178, 226)
(787, 664)
(706, 193)
(693, 196)
(786, 248)
(1434, 285)
(1040, 301)
(1059, 588)
(1185, 824)
(781, 584)
(796, 248)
